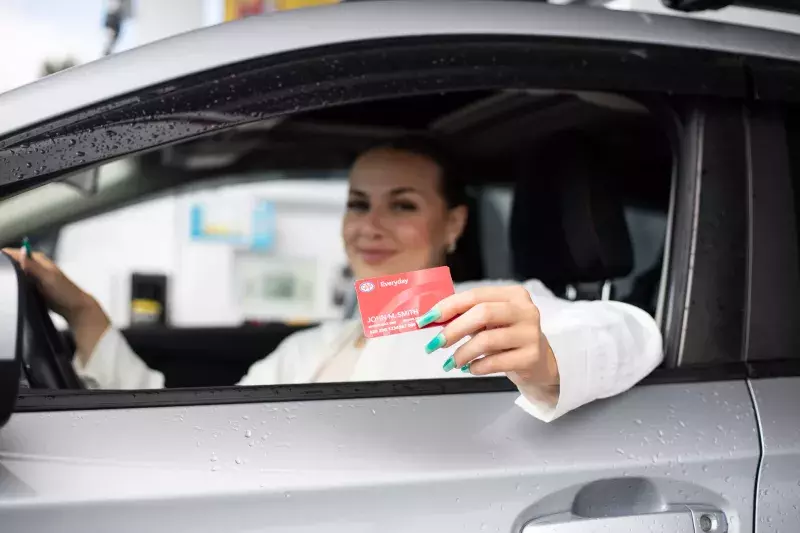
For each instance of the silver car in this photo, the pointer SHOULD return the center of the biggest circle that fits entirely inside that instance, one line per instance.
(680, 195)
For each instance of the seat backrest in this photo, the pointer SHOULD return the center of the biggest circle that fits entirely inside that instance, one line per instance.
(568, 225)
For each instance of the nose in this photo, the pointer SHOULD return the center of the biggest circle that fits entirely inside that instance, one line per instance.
(374, 224)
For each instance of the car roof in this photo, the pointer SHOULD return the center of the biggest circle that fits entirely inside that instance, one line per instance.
(210, 48)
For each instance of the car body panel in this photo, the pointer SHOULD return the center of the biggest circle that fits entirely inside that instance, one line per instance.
(778, 500)
(443, 463)
(256, 37)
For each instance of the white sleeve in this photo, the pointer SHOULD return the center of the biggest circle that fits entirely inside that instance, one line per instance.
(276, 368)
(601, 349)
(114, 365)
(300, 355)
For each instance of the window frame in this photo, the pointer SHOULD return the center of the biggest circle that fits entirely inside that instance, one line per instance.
(773, 291)
(373, 72)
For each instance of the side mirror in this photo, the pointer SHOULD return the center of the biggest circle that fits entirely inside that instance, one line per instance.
(11, 327)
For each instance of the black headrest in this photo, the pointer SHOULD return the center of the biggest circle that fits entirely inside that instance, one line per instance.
(567, 224)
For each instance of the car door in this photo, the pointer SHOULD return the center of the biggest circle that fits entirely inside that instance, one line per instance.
(774, 341)
(680, 452)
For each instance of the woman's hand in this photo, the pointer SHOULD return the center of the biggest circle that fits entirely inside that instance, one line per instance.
(80, 309)
(506, 335)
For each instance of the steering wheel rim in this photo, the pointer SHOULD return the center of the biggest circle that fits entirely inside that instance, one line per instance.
(45, 359)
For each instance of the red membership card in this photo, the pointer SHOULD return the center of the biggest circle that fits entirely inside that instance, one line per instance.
(392, 304)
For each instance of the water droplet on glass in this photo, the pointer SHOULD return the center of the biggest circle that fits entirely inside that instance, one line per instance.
(620, 451)
(213, 457)
(80, 154)
(638, 422)
(238, 461)
(215, 468)
(248, 434)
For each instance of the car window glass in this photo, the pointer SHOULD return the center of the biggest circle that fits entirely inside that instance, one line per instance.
(206, 277)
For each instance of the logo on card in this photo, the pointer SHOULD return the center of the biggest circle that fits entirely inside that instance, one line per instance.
(367, 286)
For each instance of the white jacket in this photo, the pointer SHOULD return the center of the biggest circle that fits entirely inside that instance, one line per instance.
(602, 349)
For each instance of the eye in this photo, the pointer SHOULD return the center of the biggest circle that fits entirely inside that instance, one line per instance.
(404, 206)
(359, 206)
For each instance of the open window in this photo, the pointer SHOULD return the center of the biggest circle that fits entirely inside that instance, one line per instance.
(235, 239)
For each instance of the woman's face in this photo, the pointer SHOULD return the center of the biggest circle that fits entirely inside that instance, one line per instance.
(397, 220)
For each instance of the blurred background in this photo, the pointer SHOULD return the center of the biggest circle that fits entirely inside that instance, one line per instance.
(49, 35)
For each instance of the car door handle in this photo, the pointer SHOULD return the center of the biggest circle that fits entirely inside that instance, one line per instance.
(677, 519)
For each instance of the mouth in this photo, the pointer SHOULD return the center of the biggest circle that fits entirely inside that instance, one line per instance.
(374, 256)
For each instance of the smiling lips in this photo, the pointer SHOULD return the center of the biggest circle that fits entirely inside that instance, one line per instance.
(374, 256)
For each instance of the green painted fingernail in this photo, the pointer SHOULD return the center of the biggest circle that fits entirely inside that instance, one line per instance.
(450, 364)
(431, 316)
(435, 343)
(465, 369)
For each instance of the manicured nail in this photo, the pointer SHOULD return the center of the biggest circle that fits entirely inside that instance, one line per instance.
(431, 316)
(435, 343)
(465, 368)
(450, 364)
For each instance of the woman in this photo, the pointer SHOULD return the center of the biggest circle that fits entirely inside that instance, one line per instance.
(406, 212)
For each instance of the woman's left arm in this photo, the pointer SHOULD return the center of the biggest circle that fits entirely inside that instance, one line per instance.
(560, 354)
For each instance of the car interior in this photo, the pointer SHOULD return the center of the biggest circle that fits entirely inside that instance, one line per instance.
(571, 188)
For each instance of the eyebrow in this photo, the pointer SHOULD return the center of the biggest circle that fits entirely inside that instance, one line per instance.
(394, 192)
(402, 190)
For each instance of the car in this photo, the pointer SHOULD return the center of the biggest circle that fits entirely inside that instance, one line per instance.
(653, 159)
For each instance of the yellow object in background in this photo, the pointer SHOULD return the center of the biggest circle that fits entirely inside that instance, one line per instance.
(239, 9)
(282, 5)
(146, 307)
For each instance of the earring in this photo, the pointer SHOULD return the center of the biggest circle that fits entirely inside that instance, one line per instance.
(451, 248)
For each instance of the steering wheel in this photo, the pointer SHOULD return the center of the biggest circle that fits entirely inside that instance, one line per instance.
(46, 361)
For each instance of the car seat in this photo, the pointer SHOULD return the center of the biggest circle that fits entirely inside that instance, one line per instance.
(568, 227)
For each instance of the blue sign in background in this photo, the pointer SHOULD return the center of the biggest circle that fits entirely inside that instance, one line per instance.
(262, 231)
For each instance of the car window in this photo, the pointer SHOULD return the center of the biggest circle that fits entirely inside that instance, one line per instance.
(236, 240)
